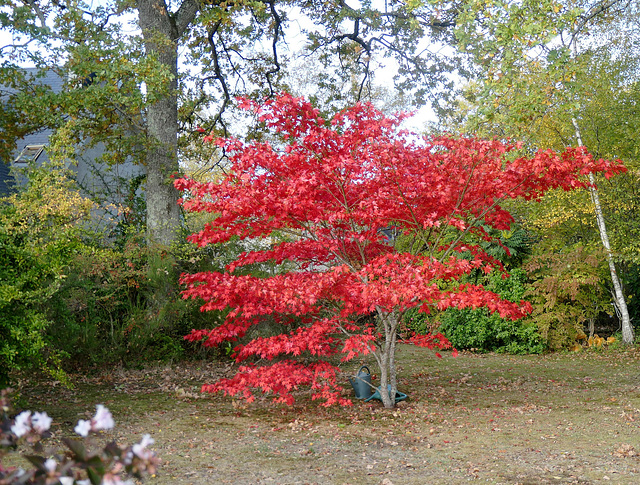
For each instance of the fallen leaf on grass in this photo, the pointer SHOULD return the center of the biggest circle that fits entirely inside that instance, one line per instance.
(625, 450)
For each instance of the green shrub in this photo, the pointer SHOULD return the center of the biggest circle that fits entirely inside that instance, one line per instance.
(479, 330)
(566, 290)
(71, 297)
(39, 228)
(417, 321)
(121, 304)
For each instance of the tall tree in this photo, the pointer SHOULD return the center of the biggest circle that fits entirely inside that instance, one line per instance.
(102, 103)
(162, 30)
(345, 192)
(535, 75)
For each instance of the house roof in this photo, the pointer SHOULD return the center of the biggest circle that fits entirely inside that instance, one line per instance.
(43, 77)
(6, 180)
(56, 82)
(46, 77)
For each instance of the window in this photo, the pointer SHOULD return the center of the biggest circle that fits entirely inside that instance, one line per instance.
(30, 153)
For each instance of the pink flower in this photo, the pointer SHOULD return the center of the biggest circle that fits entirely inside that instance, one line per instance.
(140, 450)
(40, 422)
(51, 465)
(22, 424)
(110, 479)
(83, 427)
(102, 419)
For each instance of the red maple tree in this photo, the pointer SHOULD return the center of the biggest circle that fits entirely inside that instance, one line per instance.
(365, 222)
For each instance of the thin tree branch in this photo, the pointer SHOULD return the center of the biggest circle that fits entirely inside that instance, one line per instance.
(38, 12)
(277, 29)
(594, 12)
(219, 77)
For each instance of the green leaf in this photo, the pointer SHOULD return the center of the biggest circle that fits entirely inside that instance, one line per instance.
(77, 448)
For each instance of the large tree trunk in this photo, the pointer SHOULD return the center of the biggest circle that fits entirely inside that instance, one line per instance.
(620, 302)
(161, 31)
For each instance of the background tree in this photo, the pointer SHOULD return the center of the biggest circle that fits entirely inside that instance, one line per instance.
(129, 90)
(342, 191)
(538, 78)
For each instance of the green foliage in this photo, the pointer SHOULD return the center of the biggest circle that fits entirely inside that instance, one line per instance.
(416, 321)
(39, 230)
(108, 309)
(72, 297)
(589, 74)
(631, 277)
(566, 290)
(103, 290)
(479, 330)
(514, 245)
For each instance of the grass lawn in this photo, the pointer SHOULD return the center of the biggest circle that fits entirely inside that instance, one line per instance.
(559, 418)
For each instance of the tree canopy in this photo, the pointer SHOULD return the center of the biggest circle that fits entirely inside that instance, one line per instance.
(129, 90)
(342, 194)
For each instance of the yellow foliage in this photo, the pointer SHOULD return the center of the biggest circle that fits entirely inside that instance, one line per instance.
(599, 342)
(47, 210)
(595, 341)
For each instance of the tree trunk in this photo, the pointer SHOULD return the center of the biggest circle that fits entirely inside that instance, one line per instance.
(161, 31)
(387, 357)
(619, 301)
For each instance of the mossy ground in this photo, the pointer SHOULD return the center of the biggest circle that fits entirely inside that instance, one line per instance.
(559, 418)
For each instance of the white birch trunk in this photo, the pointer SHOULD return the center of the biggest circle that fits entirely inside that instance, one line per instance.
(619, 301)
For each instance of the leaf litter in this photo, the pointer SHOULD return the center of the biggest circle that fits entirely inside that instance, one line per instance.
(558, 418)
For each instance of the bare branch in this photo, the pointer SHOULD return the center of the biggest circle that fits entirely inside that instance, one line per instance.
(591, 14)
(355, 36)
(277, 29)
(38, 12)
(218, 75)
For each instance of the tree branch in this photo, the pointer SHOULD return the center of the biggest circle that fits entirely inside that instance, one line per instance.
(277, 28)
(217, 75)
(36, 9)
(591, 14)
(185, 15)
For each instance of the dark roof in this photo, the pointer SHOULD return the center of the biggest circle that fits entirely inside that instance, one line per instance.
(43, 77)
(6, 180)
(47, 78)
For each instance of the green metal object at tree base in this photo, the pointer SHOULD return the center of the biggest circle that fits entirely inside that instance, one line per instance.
(361, 383)
(400, 396)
